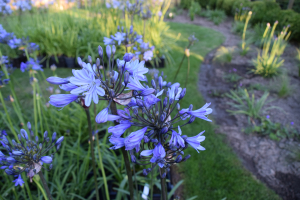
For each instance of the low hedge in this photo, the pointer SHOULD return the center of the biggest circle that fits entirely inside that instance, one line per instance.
(263, 12)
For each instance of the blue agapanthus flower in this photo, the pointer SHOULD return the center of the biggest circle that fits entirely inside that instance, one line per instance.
(28, 155)
(14, 42)
(31, 64)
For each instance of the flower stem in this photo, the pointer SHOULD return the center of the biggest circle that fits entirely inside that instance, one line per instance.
(179, 67)
(135, 181)
(92, 151)
(151, 186)
(44, 182)
(163, 186)
(113, 108)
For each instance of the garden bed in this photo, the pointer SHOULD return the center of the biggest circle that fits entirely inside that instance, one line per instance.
(273, 162)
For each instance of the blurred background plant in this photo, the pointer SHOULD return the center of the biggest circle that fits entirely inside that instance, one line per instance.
(269, 58)
(194, 9)
(224, 55)
(298, 58)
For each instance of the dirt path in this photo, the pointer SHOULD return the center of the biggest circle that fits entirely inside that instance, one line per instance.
(272, 162)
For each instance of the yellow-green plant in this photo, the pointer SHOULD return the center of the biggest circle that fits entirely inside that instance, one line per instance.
(298, 57)
(268, 59)
(245, 48)
(224, 55)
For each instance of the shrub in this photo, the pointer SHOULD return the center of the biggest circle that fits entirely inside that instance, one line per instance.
(186, 4)
(227, 6)
(194, 9)
(217, 16)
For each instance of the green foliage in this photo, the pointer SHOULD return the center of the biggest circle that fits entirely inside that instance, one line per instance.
(282, 86)
(238, 27)
(275, 131)
(194, 9)
(244, 104)
(226, 5)
(298, 58)
(217, 16)
(268, 60)
(224, 55)
(232, 77)
(78, 32)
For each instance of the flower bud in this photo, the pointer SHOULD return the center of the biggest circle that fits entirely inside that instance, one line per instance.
(182, 93)
(160, 82)
(133, 159)
(146, 139)
(149, 169)
(126, 78)
(178, 159)
(153, 84)
(145, 172)
(90, 60)
(178, 106)
(135, 111)
(191, 107)
(186, 157)
(139, 102)
(127, 57)
(79, 61)
(98, 62)
(45, 134)
(100, 51)
(164, 175)
(154, 140)
(164, 130)
(50, 167)
(59, 141)
(165, 102)
(53, 137)
(113, 49)
(108, 51)
(29, 125)
(192, 119)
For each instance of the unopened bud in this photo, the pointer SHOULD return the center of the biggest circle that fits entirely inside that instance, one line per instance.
(100, 51)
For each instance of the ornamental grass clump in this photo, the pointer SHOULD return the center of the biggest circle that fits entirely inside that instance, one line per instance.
(269, 59)
(29, 154)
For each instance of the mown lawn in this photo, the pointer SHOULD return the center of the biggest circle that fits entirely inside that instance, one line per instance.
(212, 174)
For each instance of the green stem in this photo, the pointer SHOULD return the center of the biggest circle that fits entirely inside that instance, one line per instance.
(34, 107)
(188, 72)
(11, 127)
(179, 67)
(151, 186)
(163, 186)
(113, 108)
(136, 185)
(44, 182)
(92, 151)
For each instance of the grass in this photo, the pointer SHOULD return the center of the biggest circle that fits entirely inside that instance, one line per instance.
(213, 174)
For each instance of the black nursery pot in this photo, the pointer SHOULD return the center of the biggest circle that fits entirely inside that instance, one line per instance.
(16, 62)
(61, 61)
(161, 63)
(70, 62)
(44, 61)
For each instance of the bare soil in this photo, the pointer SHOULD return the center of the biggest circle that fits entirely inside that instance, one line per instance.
(273, 162)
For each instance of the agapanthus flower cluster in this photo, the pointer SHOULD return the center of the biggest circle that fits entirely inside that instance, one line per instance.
(159, 119)
(31, 64)
(22, 5)
(5, 8)
(131, 39)
(153, 109)
(146, 14)
(145, 50)
(9, 38)
(28, 155)
(4, 62)
(96, 82)
(115, 5)
(124, 37)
